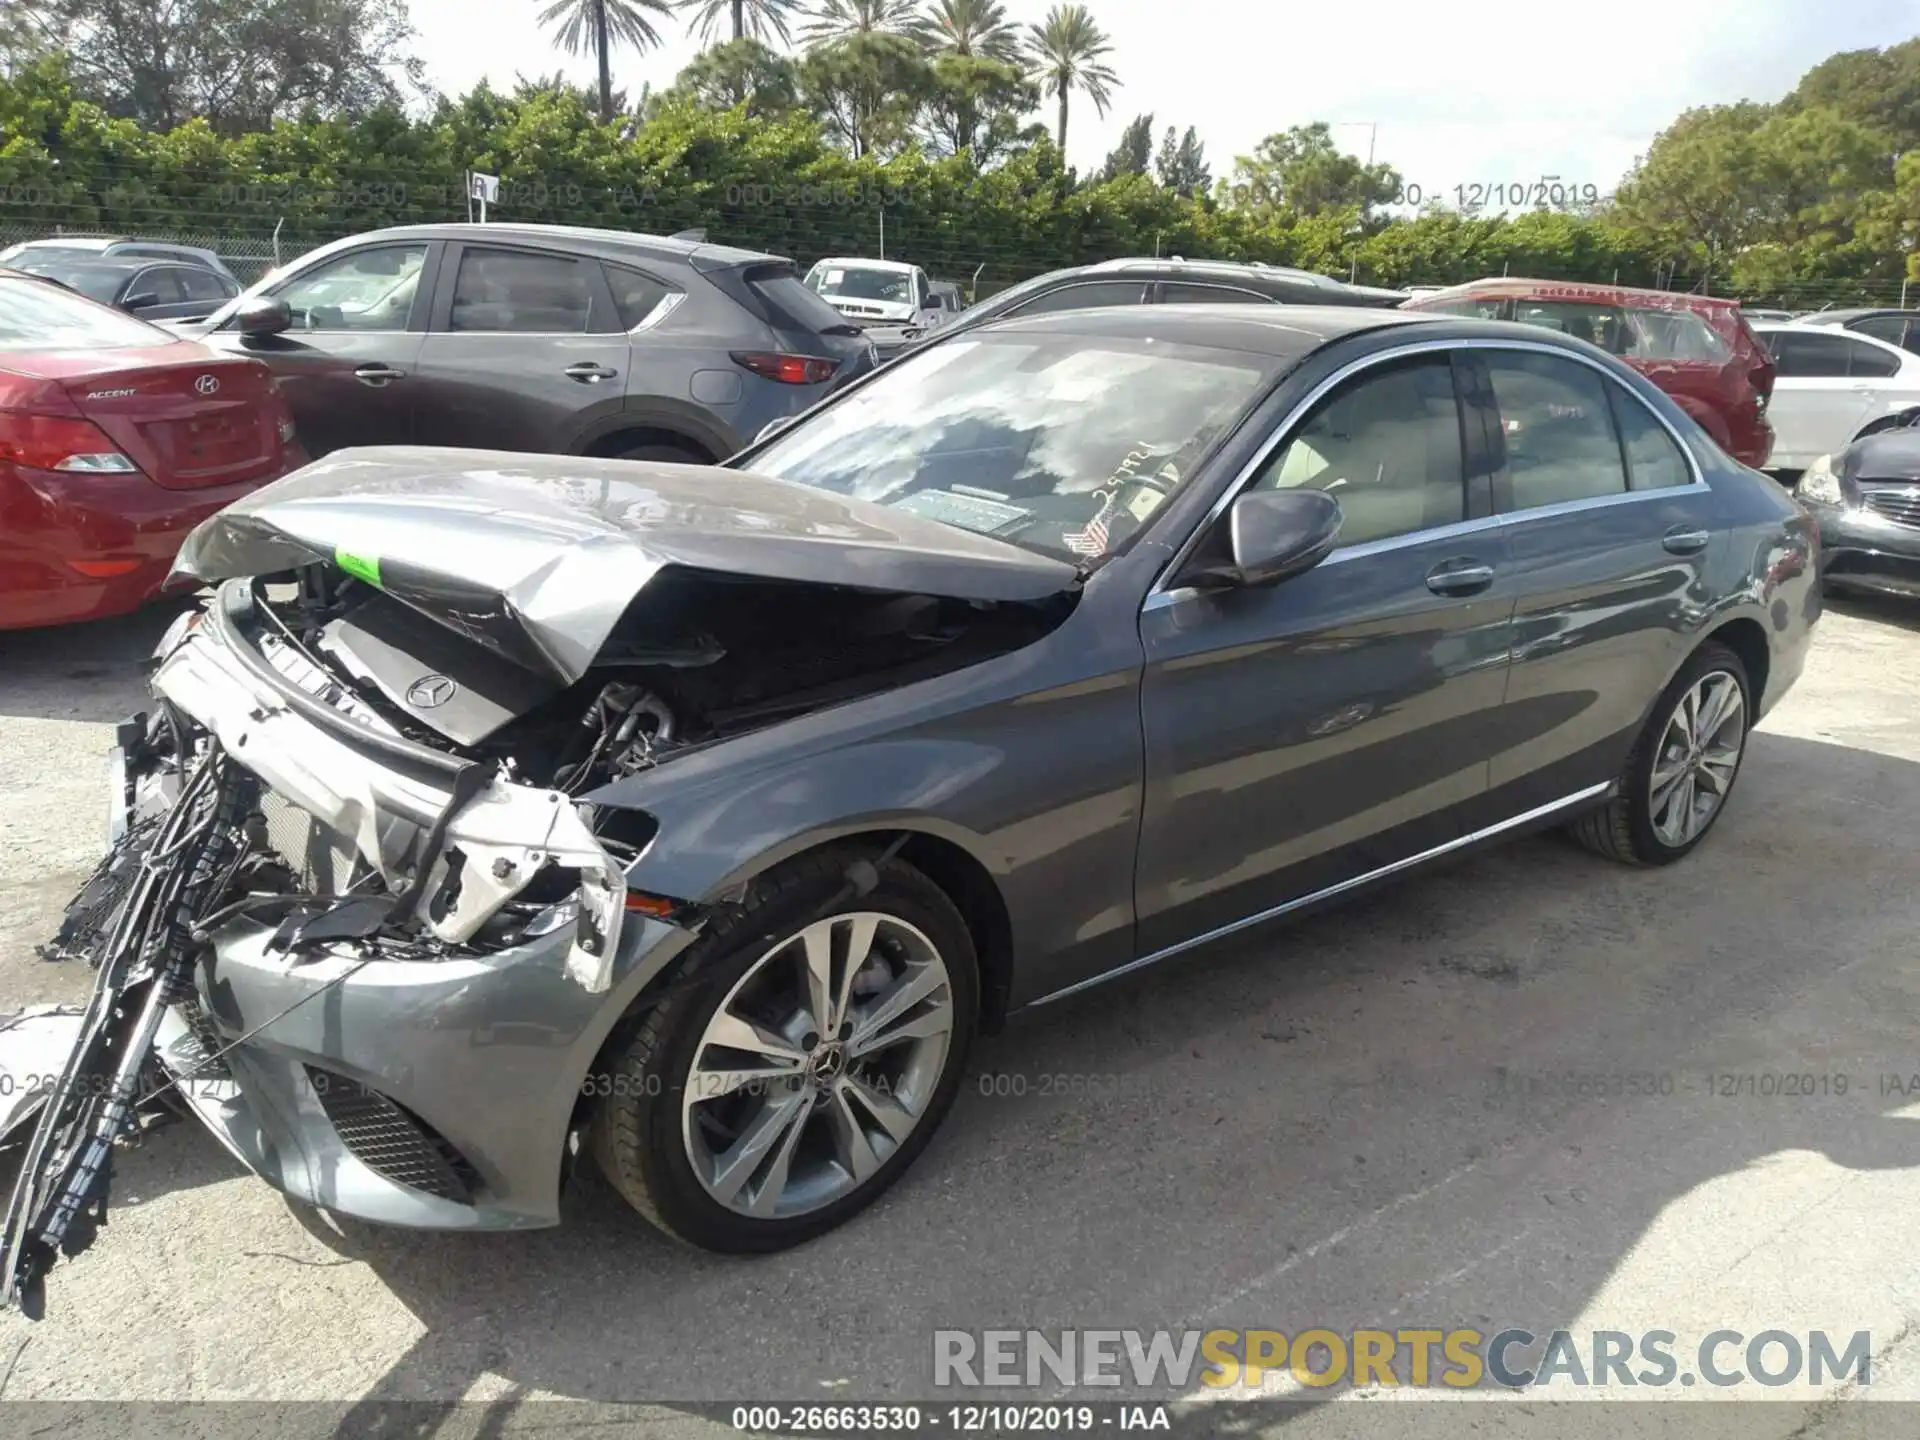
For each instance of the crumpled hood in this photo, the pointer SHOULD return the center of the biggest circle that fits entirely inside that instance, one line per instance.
(537, 557)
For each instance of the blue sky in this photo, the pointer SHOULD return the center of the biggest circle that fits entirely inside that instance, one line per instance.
(1470, 92)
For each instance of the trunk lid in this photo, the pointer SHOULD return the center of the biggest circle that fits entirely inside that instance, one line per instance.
(537, 557)
(188, 420)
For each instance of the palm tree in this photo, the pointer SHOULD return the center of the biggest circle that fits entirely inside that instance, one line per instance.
(971, 27)
(599, 25)
(758, 19)
(841, 19)
(1067, 51)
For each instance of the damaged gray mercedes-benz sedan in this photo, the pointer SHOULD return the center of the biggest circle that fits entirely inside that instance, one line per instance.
(500, 810)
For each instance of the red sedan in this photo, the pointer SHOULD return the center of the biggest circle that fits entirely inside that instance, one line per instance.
(116, 439)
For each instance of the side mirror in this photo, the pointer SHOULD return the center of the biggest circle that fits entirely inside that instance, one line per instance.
(1270, 536)
(145, 300)
(263, 316)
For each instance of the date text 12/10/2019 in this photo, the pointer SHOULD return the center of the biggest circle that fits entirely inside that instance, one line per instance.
(1548, 192)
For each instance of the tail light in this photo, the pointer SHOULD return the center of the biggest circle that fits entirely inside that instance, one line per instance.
(787, 369)
(53, 442)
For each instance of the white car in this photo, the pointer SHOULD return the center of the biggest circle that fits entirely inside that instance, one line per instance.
(1830, 385)
(878, 292)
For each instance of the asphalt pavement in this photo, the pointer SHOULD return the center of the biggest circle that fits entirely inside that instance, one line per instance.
(1372, 1117)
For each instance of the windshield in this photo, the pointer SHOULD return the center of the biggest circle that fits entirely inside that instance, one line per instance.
(856, 283)
(1061, 443)
(38, 316)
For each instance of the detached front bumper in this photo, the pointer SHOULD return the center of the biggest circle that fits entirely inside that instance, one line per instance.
(429, 1084)
(1862, 550)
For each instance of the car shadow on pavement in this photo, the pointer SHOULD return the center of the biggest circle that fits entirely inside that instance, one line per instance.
(1409, 1110)
(96, 672)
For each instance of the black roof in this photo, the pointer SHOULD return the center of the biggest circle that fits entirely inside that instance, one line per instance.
(95, 264)
(1842, 317)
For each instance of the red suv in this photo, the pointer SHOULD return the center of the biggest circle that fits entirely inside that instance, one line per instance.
(1698, 349)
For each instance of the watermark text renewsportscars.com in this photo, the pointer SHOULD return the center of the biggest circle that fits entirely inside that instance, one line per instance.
(1517, 1357)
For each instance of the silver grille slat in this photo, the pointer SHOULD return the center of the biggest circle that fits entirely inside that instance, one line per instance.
(1901, 505)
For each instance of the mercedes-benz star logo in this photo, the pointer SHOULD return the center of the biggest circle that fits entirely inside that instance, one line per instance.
(430, 692)
(207, 384)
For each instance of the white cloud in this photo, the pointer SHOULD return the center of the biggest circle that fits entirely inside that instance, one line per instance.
(1473, 92)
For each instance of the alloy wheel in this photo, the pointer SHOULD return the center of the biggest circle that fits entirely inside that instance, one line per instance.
(1698, 756)
(818, 1065)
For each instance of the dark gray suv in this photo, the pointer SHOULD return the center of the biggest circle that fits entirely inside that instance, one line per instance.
(541, 338)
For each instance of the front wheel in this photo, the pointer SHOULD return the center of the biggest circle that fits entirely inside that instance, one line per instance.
(1683, 767)
(815, 1048)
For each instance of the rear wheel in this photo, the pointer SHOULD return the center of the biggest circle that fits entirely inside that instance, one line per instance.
(1683, 767)
(815, 1048)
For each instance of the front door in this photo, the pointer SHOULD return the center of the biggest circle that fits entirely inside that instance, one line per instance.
(348, 363)
(1338, 724)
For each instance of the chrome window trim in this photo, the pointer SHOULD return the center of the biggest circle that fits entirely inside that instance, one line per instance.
(1160, 594)
(1513, 822)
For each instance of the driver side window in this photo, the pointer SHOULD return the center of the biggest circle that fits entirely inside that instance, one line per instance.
(367, 290)
(1387, 446)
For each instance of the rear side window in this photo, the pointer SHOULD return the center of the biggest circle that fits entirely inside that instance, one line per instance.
(1675, 336)
(1654, 460)
(1870, 360)
(1810, 354)
(35, 315)
(1890, 328)
(1182, 292)
(1558, 430)
(520, 292)
(1602, 325)
(1084, 297)
(635, 296)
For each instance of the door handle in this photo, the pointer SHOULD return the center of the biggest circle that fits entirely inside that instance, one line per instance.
(589, 373)
(1459, 577)
(378, 375)
(1682, 540)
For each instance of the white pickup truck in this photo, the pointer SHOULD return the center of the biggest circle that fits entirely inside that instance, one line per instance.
(880, 293)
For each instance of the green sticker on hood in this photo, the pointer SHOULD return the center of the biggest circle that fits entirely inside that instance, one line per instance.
(361, 567)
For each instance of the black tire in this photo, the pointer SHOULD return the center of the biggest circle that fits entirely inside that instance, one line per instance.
(636, 1134)
(1623, 828)
(669, 454)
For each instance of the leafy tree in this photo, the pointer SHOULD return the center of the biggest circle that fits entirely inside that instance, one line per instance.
(1134, 153)
(740, 72)
(866, 88)
(750, 19)
(977, 105)
(1877, 88)
(1182, 164)
(596, 26)
(240, 66)
(971, 27)
(844, 19)
(1069, 53)
(1303, 171)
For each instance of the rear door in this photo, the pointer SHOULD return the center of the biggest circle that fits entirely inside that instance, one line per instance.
(524, 350)
(1609, 534)
(348, 366)
(1817, 403)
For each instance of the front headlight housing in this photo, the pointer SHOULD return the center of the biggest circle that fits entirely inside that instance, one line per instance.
(1819, 485)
